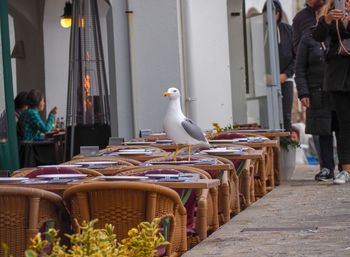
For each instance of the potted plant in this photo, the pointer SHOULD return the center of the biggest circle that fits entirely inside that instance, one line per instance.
(288, 153)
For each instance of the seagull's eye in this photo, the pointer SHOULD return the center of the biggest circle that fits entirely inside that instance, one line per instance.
(174, 91)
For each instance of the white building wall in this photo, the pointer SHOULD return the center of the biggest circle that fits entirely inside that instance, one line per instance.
(208, 66)
(155, 59)
(56, 44)
(121, 104)
(156, 39)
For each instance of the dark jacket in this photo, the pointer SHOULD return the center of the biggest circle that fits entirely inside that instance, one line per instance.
(285, 48)
(309, 71)
(337, 75)
(302, 22)
(285, 43)
(310, 65)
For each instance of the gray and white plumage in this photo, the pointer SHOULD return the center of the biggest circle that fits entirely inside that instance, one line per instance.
(177, 126)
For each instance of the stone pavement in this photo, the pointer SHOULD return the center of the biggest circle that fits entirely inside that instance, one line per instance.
(299, 218)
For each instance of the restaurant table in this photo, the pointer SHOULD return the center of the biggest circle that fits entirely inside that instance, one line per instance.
(273, 135)
(267, 143)
(252, 154)
(206, 167)
(266, 133)
(168, 147)
(120, 151)
(34, 153)
(247, 187)
(267, 176)
(143, 157)
(196, 184)
(219, 171)
(137, 157)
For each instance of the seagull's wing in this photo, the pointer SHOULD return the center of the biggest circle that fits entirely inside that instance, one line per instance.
(193, 130)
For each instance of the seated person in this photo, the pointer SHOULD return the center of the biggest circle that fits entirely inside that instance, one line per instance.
(30, 119)
(20, 106)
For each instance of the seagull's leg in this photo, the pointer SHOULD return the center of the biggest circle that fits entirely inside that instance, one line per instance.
(189, 152)
(176, 152)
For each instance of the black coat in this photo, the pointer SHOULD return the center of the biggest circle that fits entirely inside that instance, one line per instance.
(285, 49)
(309, 71)
(337, 72)
(302, 22)
(310, 65)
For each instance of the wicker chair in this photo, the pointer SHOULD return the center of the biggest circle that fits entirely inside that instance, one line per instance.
(81, 158)
(207, 200)
(245, 170)
(119, 163)
(23, 213)
(40, 171)
(126, 204)
(233, 182)
(158, 152)
(228, 193)
(233, 187)
(265, 174)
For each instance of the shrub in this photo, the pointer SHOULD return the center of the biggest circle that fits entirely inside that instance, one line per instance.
(141, 242)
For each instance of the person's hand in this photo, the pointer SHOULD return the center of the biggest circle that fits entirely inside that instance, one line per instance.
(54, 110)
(347, 5)
(305, 101)
(335, 14)
(283, 78)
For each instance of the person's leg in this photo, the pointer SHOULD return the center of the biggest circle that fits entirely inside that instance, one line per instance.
(327, 157)
(335, 128)
(342, 105)
(317, 148)
(326, 151)
(287, 104)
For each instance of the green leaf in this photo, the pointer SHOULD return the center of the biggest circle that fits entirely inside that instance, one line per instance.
(30, 253)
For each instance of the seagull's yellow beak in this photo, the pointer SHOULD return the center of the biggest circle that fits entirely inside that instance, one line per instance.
(166, 93)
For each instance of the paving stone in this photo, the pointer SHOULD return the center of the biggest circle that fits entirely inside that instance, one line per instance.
(299, 218)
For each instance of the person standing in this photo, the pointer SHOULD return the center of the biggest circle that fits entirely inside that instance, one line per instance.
(305, 19)
(333, 25)
(302, 22)
(320, 117)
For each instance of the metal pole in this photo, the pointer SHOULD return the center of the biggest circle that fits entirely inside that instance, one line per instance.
(134, 110)
(9, 151)
(274, 100)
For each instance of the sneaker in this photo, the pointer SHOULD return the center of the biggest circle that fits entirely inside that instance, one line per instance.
(324, 175)
(342, 178)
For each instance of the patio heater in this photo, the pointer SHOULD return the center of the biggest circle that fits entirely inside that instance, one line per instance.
(88, 114)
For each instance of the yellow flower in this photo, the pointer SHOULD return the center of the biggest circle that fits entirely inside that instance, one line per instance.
(141, 241)
(217, 127)
(132, 232)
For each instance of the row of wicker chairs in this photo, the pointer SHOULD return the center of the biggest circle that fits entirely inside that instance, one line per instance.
(103, 201)
(26, 211)
(207, 206)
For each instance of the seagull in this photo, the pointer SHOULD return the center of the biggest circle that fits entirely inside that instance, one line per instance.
(179, 128)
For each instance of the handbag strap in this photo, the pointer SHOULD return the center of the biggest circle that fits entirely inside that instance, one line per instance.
(340, 40)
